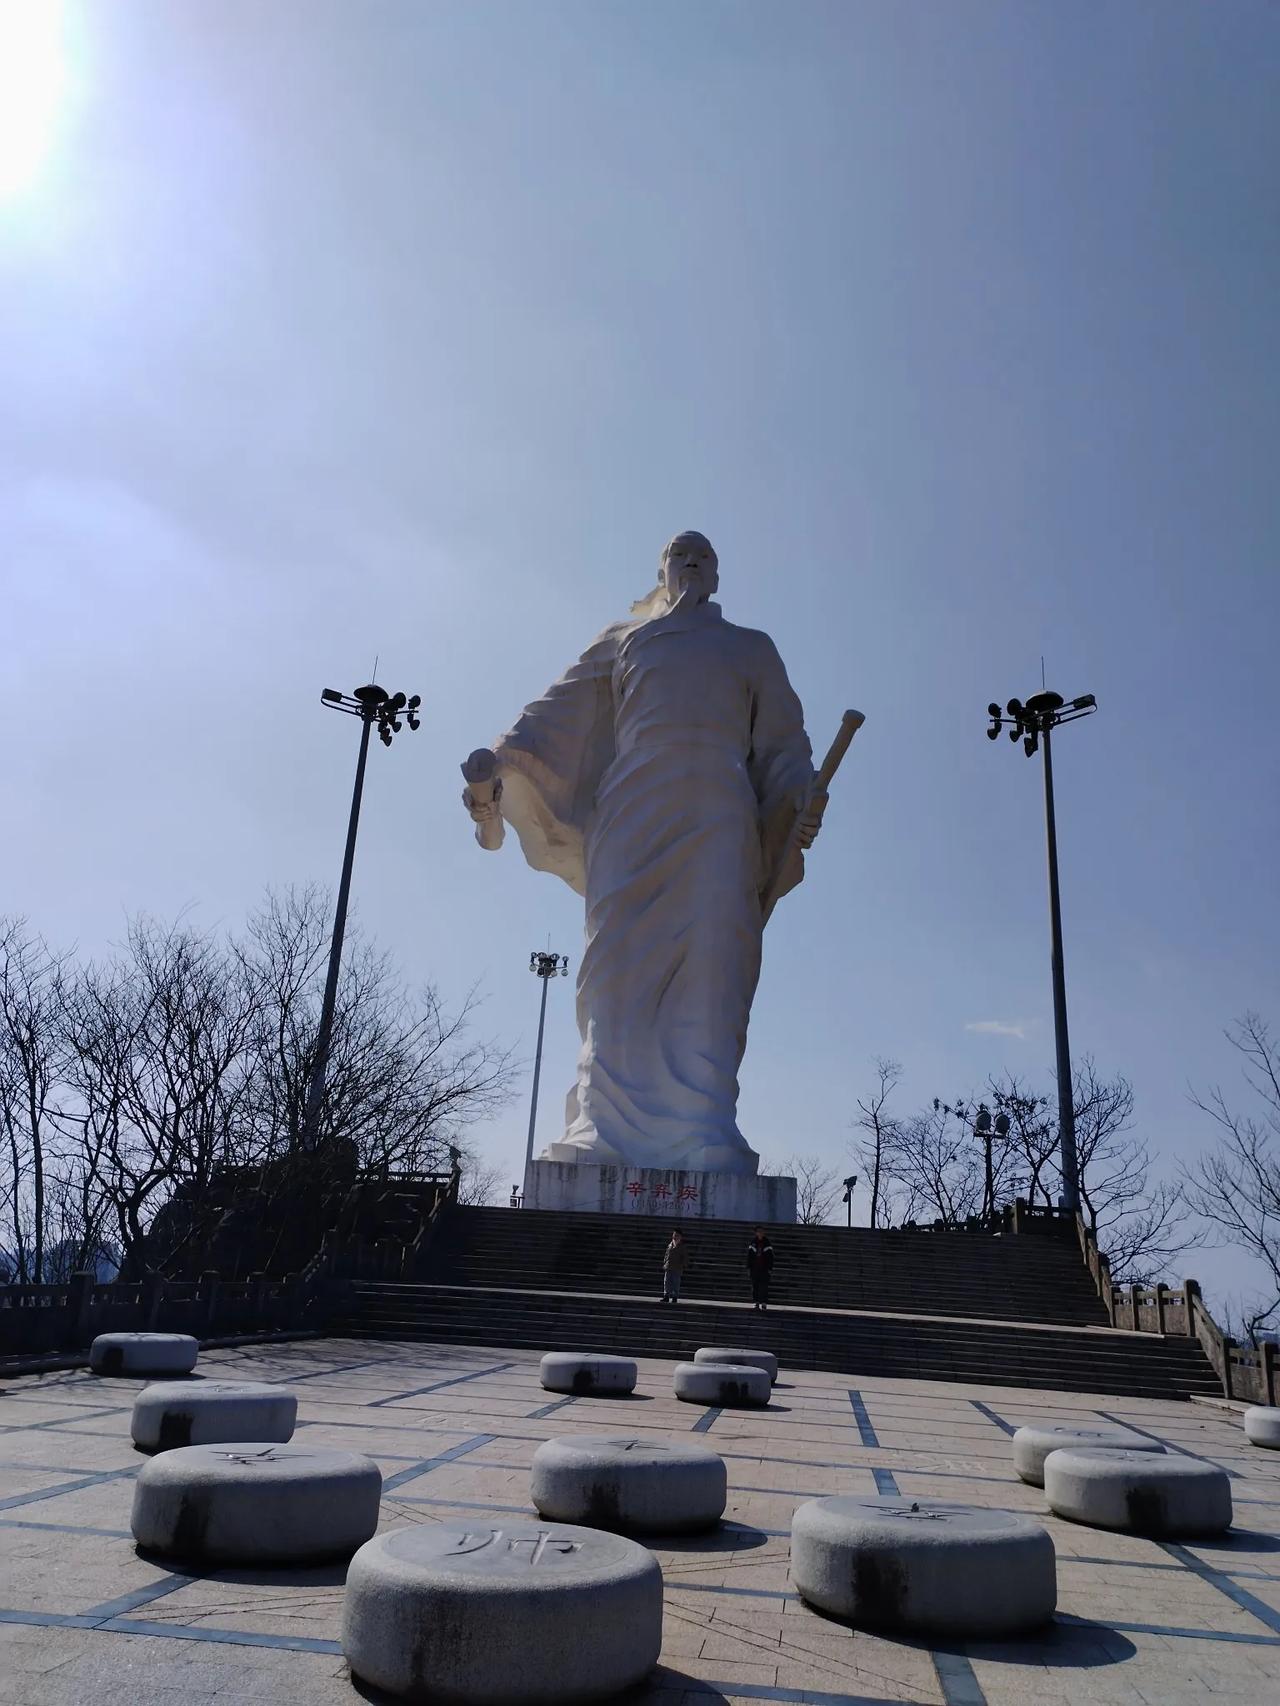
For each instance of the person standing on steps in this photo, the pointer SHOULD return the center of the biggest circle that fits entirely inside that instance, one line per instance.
(760, 1266)
(675, 1259)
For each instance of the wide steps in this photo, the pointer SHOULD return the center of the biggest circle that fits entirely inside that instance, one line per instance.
(1024, 1278)
(974, 1352)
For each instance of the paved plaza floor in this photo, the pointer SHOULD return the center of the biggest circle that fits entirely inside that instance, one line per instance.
(84, 1619)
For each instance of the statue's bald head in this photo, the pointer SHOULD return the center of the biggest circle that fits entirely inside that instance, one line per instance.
(689, 563)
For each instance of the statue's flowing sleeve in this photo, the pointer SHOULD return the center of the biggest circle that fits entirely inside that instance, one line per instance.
(552, 760)
(780, 766)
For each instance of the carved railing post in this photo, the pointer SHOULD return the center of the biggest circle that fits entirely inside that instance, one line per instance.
(1270, 1391)
(79, 1308)
(1161, 1291)
(211, 1285)
(1105, 1288)
(153, 1287)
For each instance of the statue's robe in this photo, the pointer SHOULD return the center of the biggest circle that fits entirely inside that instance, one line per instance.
(657, 778)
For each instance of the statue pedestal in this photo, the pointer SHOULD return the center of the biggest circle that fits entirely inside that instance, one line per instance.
(667, 1193)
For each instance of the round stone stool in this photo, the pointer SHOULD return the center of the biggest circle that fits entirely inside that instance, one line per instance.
(634, 1486)
(739, 1358)
(721, 1383)
(256, 1504)
(143, 1353)
(1262, 1426)
(168, 1414)
(1032, 1444)
(526, 1614)
(580, 1373)
(1160, 1497)
(923, 1566)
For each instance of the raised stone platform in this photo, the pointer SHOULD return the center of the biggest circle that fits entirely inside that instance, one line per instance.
(1137, 1623)
(582, 1187)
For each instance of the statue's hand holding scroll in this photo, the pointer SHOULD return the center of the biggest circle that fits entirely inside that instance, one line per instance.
(481, 796)
(809, 818)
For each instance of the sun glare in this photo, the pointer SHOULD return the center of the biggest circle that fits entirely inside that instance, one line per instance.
(33, 84)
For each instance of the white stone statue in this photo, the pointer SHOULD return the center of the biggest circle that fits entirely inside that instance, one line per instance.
(668, 779)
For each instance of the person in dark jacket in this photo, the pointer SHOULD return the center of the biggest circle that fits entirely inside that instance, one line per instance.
(760, 1266)
(675, 1259)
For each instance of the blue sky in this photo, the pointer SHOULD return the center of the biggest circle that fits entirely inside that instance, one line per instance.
(334, 330)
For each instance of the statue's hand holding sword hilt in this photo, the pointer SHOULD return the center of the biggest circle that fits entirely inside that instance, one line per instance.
(481, 796)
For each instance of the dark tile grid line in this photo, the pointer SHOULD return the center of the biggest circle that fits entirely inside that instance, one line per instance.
(66, 1487)
(312, 1644)
(549, 1409)
(537, 1439)
(866, 1433)
(440, 1385)
(706, 1420)
(734, 1487)
(1005, 1427)
(430, 1463)
(1217, 1579)
(307, 1644)
(127, 1602)
(1133, 1428)
(66, 1528)
(63, 1421)
(956, 1679)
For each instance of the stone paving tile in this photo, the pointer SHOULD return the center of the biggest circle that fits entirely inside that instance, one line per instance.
(1139, 1623)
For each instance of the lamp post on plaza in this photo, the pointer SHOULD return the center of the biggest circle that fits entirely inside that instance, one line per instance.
(373, 705)
(1033, 724)
(544, 966)
(849, 1183)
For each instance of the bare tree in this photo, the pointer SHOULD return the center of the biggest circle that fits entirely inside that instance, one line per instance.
(482, 1181)
(883, 1132)
(184, 1066)
(937, 1167)
(817, 1187)
(404, 1078)
(1140, 1225)
(1236, 1187)
(31, 996)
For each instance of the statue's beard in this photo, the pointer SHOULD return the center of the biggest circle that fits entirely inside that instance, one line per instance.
(685, 597)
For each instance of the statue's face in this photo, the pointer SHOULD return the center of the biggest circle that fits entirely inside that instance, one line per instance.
(689, 565)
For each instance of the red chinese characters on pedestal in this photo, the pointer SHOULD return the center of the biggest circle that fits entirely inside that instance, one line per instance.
(687, 1193)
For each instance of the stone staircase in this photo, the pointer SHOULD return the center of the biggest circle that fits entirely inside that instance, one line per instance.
(1005, 1278)
(956, 1306)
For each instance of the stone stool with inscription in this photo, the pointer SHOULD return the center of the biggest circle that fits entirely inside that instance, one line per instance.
(721, 1383)
(632, 1486)
(172, 1413)
(143, 1353)
(527, 1614)
(740, 1358)
(583, 1374)
(1262, 1426)
(924, 1566)
(1160, 1497)
(1032, 1444)
(255, 1503)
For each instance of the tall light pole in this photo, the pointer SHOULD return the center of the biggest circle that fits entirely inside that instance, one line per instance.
(1033, 723)
(372, 705)
(544, 966)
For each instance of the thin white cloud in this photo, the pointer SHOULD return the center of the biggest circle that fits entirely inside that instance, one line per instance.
(999, 1028)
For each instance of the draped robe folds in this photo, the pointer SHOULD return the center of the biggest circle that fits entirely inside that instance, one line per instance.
(651, 778)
